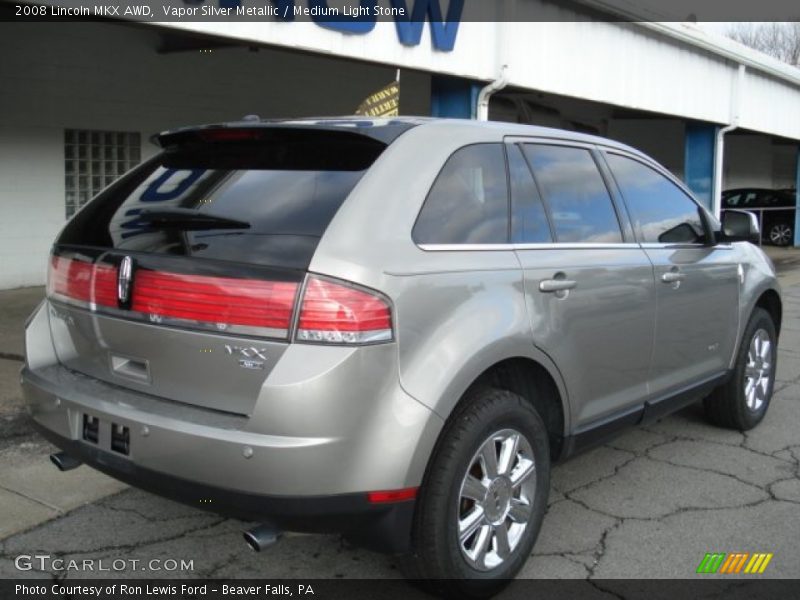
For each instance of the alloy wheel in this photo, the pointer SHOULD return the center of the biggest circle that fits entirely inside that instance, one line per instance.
(780, 235)
(495, 503)
(758, 371)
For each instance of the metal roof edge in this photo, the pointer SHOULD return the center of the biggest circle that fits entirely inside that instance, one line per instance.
(692, 35)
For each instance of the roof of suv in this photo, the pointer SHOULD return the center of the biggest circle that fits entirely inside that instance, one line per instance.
(387, 130)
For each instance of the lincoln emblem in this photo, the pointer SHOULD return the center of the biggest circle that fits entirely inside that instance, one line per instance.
(124, 279)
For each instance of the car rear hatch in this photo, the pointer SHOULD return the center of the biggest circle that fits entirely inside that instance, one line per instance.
(182, 279)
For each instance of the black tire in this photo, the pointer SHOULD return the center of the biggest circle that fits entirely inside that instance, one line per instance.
(727, 405)
(436, 561)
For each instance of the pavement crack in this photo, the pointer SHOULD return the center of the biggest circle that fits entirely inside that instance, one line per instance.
(712, 470)
(602, 546)
(211, 573)
(33, 499)
(145, 516)
(129, 547)
(599, 587)
(616, 470)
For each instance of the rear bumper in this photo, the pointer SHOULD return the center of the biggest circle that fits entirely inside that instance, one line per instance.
(329, 426)
(380, 527)
(192, 455)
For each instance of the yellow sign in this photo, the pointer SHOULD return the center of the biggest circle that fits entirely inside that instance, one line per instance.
(383, 103)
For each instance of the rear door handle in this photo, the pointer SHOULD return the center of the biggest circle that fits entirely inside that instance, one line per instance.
(673, 277)
(550, 286)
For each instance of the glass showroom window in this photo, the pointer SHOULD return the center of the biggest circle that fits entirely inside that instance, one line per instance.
(93, 160)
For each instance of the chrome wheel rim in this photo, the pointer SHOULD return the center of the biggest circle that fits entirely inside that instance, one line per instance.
(780, 234)
(758, 371)
(495, 503)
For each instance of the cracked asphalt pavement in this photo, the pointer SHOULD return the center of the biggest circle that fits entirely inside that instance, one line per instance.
(649, 504)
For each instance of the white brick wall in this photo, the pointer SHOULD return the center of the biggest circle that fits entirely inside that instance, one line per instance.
(110, 77)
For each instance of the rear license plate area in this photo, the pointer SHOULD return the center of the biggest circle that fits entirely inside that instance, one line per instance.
(120, 439)
(106, 435)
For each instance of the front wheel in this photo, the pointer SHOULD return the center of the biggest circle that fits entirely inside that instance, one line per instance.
(484, 497)
(742, 402)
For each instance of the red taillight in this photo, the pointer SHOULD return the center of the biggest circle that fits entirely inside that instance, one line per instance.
(338, 314)
(264, 307)
(392, 496)
(87, 283)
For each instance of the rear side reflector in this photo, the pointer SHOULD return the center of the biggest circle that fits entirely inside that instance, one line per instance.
(83, 283)
(247, 306)
(334, 313)
(392, 496)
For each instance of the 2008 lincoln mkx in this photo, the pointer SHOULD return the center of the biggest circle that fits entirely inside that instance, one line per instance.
(390, 329)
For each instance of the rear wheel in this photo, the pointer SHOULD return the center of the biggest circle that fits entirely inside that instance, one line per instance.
(743, 401)
(484, 497)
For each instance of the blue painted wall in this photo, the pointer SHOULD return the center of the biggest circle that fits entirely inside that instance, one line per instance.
(700, 145)
(454, 97)
(797, 202)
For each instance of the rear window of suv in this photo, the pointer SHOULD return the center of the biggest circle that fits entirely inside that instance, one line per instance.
(266, 200)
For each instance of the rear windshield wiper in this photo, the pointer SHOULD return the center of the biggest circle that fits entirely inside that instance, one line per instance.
(187, 219)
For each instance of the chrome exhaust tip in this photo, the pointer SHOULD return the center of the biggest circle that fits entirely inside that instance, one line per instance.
(64, 461)
(262, 537)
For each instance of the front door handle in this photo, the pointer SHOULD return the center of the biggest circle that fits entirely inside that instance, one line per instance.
(673, 277)
(551, 286)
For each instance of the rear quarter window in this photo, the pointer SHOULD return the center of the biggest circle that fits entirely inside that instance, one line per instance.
(468, 203)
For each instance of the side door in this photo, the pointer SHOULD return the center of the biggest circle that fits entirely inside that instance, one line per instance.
(697, 280)
(589, 287)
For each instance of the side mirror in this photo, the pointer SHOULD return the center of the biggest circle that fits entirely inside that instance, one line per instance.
(739, 226)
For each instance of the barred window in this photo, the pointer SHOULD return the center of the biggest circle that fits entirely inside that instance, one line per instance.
(94, 159)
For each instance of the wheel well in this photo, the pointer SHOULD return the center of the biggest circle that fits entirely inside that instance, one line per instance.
(531, 380)
(771, 302)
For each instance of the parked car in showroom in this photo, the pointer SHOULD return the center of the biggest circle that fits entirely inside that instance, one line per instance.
(390, 329)
(777, 225)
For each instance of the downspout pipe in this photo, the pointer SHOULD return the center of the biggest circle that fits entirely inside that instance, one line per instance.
(488, 91)
(719, 150)
(719, 153)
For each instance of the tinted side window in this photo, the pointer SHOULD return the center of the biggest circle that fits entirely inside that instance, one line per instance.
(528, 219)
(661, 211)
(468, 203)
(576, 194)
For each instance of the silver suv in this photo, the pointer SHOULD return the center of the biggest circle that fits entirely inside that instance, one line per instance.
(390, 329)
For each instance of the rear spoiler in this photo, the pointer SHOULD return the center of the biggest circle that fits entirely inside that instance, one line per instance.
(345, 130)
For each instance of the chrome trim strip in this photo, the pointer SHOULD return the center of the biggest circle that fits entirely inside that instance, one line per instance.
(464, 247)
(508, 247)
(139, 317)
(657, 246)
(558, 246)
(578, 246)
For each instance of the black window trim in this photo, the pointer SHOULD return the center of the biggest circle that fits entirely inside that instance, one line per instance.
(701, 210)
(545, 205)
(598, 152)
